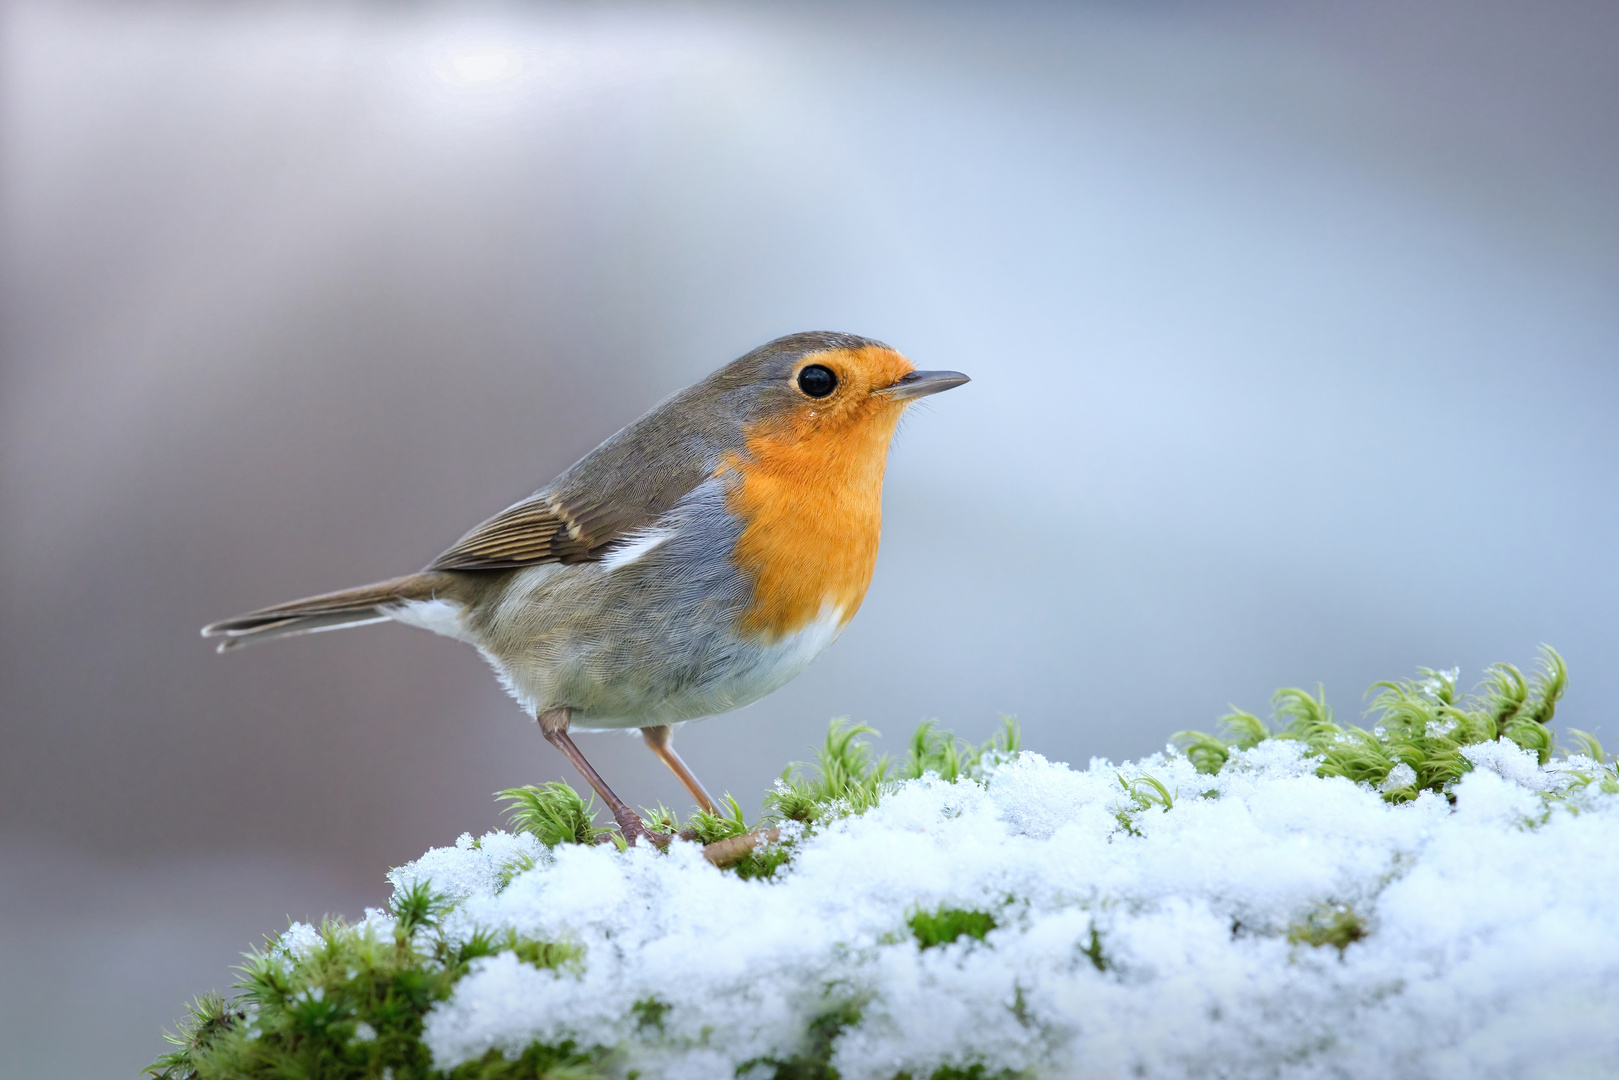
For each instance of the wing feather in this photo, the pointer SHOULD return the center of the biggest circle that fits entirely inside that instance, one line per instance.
(540, 529)
(520, 535)
(619, 489)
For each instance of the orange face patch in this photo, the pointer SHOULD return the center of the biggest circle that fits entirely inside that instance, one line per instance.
(810, 495)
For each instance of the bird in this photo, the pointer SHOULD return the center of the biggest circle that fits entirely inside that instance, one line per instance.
(691, 564)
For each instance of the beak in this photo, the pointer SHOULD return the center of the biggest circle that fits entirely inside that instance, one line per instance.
(921, 384)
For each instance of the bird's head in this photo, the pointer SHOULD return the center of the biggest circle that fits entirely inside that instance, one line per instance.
(827, 389)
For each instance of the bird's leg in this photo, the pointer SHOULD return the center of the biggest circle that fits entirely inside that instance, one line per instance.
(659, 741)
(554, 726)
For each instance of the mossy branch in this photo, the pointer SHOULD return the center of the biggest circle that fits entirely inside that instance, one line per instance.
(349, 1001)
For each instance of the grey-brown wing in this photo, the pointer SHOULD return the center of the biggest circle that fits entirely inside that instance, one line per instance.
(541, 529)
(545, 528)
(520, 535)
(624, 485)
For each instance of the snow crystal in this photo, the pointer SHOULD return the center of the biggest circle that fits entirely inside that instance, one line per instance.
(1130, 939)
(299, 940)
(1399, 777)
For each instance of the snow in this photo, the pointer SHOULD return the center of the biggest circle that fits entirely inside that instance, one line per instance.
(1399, 778)
(1491, 948)
(1510, 762)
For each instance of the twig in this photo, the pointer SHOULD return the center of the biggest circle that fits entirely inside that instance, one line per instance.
(723, 853)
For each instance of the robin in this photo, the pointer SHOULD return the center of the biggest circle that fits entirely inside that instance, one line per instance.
(691, 564)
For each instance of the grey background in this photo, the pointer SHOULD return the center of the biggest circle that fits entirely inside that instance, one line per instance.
(1292, 326)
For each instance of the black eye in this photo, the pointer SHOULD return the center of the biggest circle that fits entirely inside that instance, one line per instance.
(817, 381)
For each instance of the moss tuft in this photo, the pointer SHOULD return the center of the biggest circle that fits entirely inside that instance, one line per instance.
(513, 866)
(1600, 770)
(845, 778)
(934, 750)
(351, 1006)
(649, 1013)
(813, 1061)
(1338, 925)
(1420, 726)
(722, 825)
(976, 1071)
(1093, 951)
(946, 924)
(552, 813)
(417, 907)
(762, 863)
(1142, 793)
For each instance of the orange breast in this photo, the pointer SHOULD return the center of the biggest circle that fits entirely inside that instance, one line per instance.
(811, 503)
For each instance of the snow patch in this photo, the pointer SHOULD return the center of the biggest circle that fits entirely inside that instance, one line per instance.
(1160, 950)
(1511, 762)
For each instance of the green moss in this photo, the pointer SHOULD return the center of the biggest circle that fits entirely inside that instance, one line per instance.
(513, 866)
(725, 823)
(553, 813)
(1602, 773)
(813, 1061)
(934, 750)
(208, 1020)
(1142, 793)
(762, 863)
(417, 908)
(946, 924)
(975, 1071)
(1093, 951)
(845, 779)
(537, 1062)
(352, 1007)
(660, 819)
(649, 1013)
(1337, 925)
(1420, 723)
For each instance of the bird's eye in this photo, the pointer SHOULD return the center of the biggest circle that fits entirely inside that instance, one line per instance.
(817, 381)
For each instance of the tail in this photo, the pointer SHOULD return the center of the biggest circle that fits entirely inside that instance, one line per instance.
(329, 611)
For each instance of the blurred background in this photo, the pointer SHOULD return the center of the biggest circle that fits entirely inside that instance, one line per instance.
(1293, 330)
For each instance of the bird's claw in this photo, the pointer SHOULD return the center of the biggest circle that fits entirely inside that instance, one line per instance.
(633, 830)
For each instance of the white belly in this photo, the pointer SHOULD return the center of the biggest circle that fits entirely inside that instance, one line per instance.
(737, 674)
(681, 676)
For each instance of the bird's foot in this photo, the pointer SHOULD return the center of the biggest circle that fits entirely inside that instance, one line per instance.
(634, 830)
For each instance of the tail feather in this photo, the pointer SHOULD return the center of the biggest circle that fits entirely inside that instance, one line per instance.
(328, 611)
